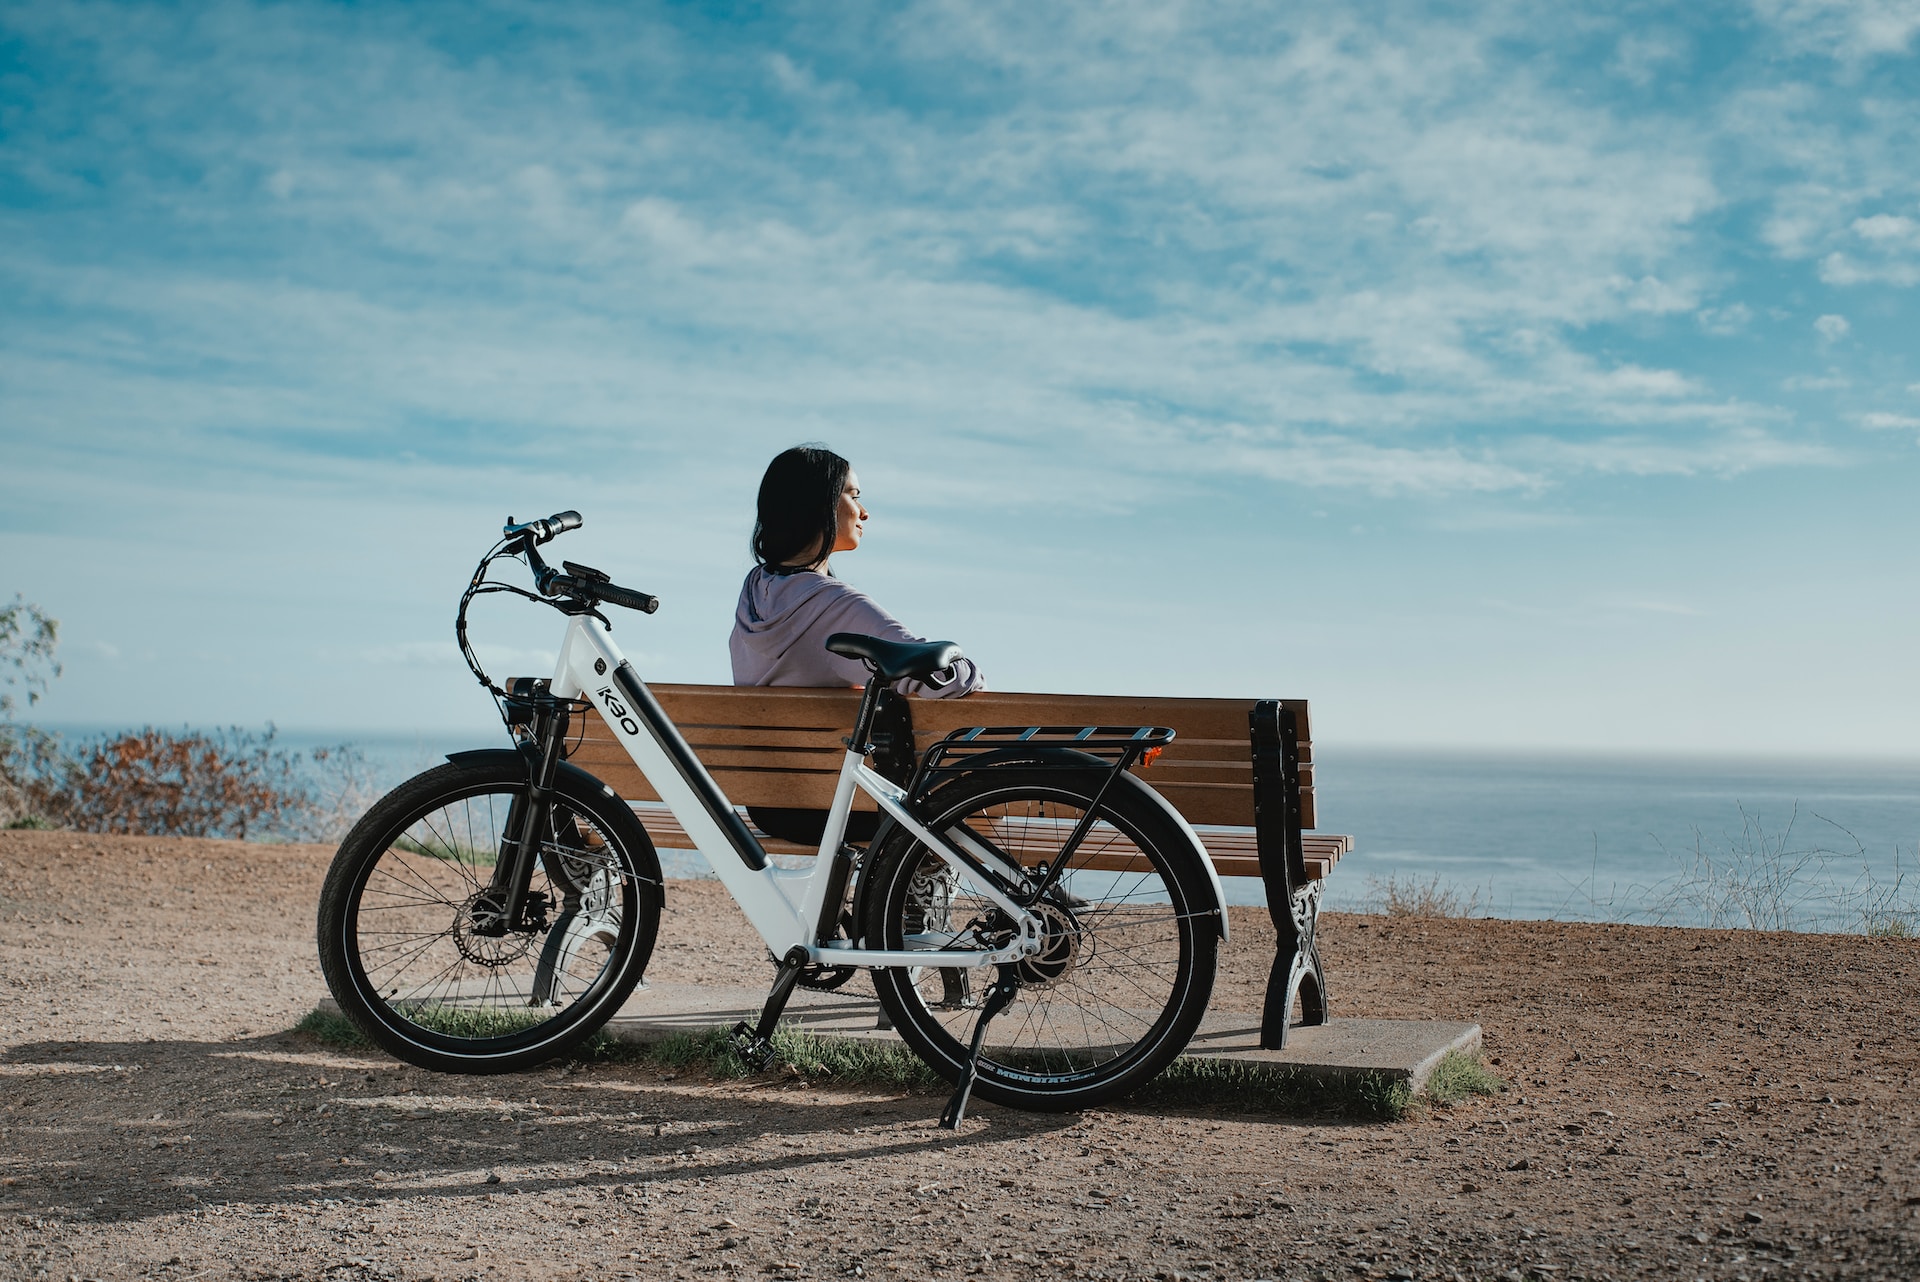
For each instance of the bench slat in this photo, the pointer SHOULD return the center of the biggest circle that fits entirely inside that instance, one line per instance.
(780, 746)
(1212, 738)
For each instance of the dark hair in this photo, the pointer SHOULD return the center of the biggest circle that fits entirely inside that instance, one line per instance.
(799, 507)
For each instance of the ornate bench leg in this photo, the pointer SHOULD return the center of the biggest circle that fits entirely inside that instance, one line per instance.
(1297, 974)
(1308, 981)
(1292, 899)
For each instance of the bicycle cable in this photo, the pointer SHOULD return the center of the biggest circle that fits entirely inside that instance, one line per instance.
(480, 585)
(559, 592)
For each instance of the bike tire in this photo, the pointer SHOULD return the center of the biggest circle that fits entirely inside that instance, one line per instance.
(1131, 950)
(400, 948)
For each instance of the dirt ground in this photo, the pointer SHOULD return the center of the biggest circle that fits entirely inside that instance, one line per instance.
(1680, 1104)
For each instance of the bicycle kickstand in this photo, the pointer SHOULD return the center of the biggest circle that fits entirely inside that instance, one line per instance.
(998, 998)
(755, 1045)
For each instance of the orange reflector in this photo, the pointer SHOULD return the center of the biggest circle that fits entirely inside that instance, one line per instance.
(1150, 756)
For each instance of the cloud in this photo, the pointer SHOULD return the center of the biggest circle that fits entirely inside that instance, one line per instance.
(1832, 328)
(1643, 56)
(1841, 269)
(1885, 227)
(1724, 321)
(1848, 29)
(1388, 260)
(1728, 454)
(405, 654)
(1879, 421)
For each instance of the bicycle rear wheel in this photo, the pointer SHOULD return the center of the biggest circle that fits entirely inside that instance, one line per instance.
(1130, 944)
(417, 958)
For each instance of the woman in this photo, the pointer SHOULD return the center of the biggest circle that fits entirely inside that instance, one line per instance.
(791, 603)
(810, 509)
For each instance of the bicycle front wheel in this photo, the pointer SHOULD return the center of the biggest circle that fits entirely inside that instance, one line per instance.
(1129, 950)
(414, 948)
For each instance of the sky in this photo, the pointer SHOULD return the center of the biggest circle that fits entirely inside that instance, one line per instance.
(1491, 375)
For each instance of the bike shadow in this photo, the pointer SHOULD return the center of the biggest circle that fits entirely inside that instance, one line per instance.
(117, 1130)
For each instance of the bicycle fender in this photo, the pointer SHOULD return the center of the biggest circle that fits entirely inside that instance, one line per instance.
(1199, 848)
(1067, 756)
(490, 756)
(567, 770)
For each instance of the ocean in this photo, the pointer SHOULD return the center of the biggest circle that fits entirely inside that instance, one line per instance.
(1817, 844)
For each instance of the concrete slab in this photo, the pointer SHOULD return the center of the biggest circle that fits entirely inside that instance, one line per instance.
(1402, 1050)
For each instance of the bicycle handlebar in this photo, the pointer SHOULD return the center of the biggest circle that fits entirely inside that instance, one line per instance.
(599, 590)
(580, 582)
(542, 531)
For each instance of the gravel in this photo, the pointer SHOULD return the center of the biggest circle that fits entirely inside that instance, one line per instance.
(1679, 1103)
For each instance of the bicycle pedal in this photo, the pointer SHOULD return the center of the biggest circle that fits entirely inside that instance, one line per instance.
(755, 1051)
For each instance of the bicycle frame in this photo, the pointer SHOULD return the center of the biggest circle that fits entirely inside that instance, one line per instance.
(785, 905)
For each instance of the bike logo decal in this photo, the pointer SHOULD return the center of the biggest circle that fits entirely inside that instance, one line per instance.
(618, 710)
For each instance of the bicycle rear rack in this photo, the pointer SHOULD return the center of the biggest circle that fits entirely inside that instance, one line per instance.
(1118, 746)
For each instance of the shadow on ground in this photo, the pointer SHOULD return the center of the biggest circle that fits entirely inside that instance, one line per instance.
(123, 1130)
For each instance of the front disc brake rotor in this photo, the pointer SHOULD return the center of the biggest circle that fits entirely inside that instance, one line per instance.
(479, 934)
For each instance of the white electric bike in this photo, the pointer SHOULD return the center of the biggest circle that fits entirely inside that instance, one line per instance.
(1040, 925)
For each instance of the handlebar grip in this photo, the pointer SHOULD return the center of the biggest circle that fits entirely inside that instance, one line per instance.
(542, 531)
(641, 601)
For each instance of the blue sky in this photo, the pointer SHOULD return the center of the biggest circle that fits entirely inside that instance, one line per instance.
(1487, 374)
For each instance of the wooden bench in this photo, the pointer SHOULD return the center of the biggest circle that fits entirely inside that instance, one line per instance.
(1239, 770)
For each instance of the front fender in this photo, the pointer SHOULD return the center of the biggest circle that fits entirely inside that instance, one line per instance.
(496, 756)
(583, 781)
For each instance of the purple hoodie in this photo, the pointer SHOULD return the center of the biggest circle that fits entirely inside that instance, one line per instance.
(781, 627)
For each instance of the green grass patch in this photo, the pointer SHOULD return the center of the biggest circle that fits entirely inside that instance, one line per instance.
(333, 1030)
(709, 1051)
(1222, 1085)
(455, 852)
(454, 1021)
(842, 1061)
(474, 1021)
(1243, 1087)
(1460, 1075)
(887, 1066)
(33, 823)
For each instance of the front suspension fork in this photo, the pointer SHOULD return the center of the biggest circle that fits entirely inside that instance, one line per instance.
(530, 818)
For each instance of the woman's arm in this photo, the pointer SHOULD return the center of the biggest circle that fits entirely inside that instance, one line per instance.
(851, 610)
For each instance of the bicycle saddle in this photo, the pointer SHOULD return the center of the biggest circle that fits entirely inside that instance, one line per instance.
(896, 660)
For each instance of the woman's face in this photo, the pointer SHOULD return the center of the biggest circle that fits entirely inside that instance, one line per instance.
(851, 517)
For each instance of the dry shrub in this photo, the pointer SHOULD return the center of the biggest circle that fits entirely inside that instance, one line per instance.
(1417, 897)
(28, 639)
(1772, 879)
(342, 785)
(230, 783)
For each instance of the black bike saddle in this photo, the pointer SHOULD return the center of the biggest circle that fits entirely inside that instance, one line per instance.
(896, 660)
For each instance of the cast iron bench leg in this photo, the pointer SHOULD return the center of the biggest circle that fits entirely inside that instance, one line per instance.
(1292, 899)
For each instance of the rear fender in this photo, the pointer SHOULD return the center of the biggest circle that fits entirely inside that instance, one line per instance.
(1069, 757)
